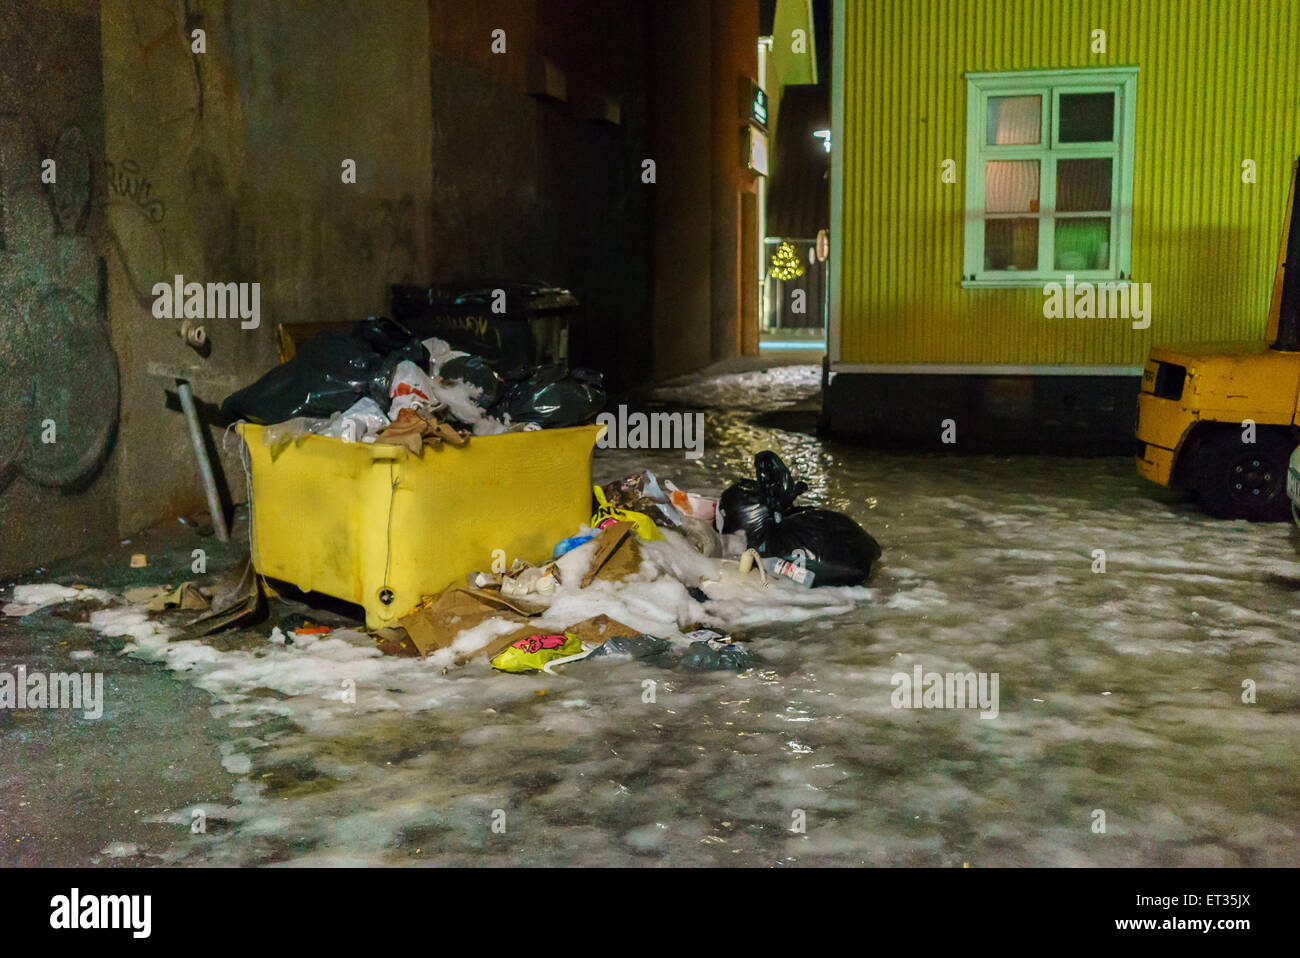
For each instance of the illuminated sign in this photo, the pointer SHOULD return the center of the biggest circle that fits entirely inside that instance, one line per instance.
(752, 103)
(753, 147)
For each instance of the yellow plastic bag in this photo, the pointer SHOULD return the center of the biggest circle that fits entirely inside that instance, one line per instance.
(532, 652)
(607, 515)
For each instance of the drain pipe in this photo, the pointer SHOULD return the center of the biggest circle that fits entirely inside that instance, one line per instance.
(201, 454)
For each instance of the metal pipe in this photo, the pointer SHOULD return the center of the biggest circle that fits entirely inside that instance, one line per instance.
(201, 454)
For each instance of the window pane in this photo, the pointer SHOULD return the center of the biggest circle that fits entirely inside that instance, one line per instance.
(1083, 243)
(1011, 244)
(1083, 185)
(1087, 118)
(1014, 120)
(1011, 186)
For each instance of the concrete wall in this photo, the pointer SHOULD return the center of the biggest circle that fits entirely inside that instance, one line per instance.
(734, 55)
(535, 187)
(682, 150)
(58, 375)
(705, 305)
(527, 186)
(223, 165)
(242, 148)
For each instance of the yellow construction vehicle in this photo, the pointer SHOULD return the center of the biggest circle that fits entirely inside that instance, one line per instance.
(1220, 419)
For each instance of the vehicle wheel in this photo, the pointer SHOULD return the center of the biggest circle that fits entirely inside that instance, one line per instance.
(1239, 480)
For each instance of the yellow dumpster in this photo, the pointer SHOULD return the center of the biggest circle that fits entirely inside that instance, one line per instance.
(381, 527)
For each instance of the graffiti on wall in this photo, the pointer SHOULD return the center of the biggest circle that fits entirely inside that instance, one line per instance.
(59, 391)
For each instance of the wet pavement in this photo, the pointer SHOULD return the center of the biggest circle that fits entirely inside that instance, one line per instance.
(1121, 735)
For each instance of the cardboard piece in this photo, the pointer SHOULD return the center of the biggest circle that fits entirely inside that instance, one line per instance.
(414, 432)
(184, 596)
(393, 640)
(145, 593)
(617, 554)
(236, 601)
(596, 630)
(435, 624)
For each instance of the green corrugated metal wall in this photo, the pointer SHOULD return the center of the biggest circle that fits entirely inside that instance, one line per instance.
(1219, 82)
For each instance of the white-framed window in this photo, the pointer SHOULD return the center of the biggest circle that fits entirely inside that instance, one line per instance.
(1049, 176)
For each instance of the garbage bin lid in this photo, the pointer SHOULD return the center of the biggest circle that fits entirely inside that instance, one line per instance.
(534, 297)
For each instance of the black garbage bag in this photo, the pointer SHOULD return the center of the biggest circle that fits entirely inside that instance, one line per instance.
(779, 487)
(834, 548)
(553, 396)
(832, 545)
(716, 657)
(741, 506)
(754, 504)
(328, 373)
(636, 646)
(385, 336)
(476, 371)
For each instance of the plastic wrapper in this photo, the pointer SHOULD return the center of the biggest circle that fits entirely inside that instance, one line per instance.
(606, 515)
(690, 504)
(410, 388)
(569, 544)
(328, 373)
(642, 493)
(627, 492)
(531, 653)
(363, 418)
(293, 429)
(440, 351)
(702, 536)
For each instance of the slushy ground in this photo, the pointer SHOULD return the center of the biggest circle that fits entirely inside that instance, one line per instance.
(1120, 692)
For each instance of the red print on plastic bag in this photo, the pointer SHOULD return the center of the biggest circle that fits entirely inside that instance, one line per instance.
(535, 643)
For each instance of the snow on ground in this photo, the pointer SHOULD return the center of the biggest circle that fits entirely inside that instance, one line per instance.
(653, 600)
(1120, 690)
(33, 597)
(765, 387)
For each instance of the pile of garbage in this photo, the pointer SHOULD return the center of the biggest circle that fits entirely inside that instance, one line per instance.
(658, 574)
(752, 538)
(378, 382)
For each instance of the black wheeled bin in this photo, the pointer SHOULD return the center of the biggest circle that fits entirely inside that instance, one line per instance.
(532, 326)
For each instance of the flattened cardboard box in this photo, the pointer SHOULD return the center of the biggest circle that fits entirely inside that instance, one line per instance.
(436, 624)
(617, 554)
(596, 630)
